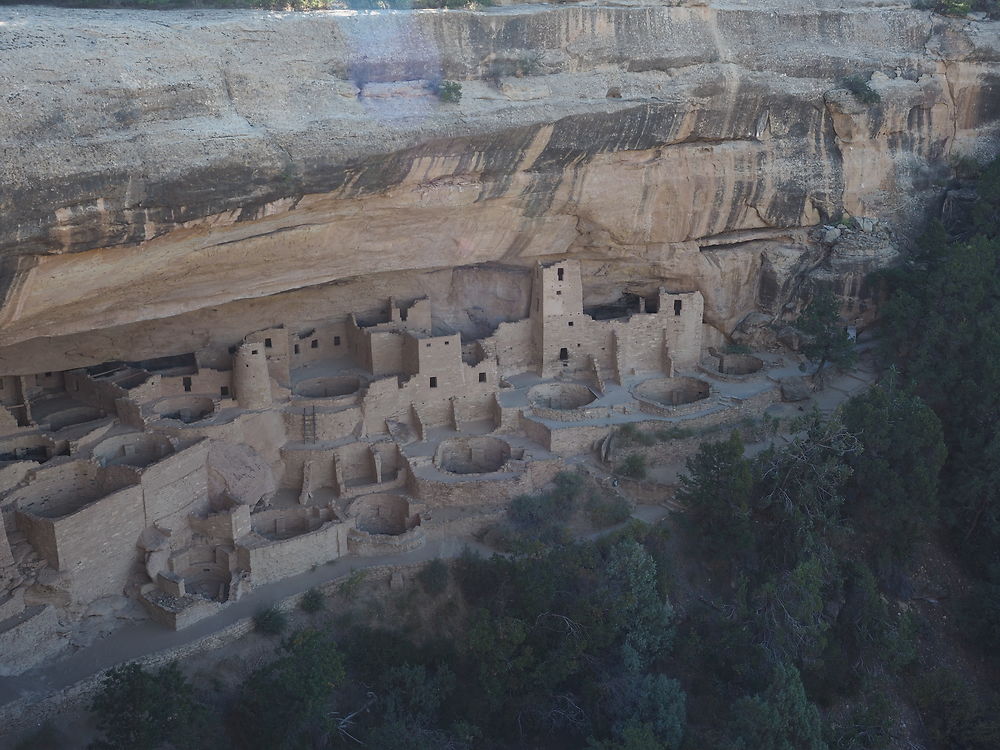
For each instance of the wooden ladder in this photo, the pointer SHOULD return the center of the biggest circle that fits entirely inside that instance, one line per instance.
(309, 425)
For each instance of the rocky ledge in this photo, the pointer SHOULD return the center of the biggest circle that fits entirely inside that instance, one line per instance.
(174, 178)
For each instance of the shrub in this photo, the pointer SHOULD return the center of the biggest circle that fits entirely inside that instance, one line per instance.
(953, 714)
(270, 621)
(857, 84)
(608, 511)
(433, 577)
(350, 588)
(450, 92)
(46, 737)
(633, 467)
(312, 601)
(672, 433)
(140, 710)
(629, 434)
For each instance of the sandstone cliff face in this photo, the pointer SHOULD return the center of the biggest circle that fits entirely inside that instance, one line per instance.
(174, 179)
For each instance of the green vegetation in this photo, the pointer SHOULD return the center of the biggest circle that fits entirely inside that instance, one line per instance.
(857, 84)
(826, 340)
(312, 601)
(633, 466)
(449, 92)
(136, 709)
(433, 578)
(349, 589)
(270, 621)
(286, 704)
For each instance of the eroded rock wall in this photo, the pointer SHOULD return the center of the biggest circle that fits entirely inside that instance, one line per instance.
(175, 179)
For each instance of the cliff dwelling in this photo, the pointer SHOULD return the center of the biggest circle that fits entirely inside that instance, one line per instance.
(185, 482)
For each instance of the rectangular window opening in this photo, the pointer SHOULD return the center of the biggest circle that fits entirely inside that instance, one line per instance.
(267, 343)
(482, 377)
(336, 340)
(564, 354)
(314, 344)
(570, 324)
(296, 348)
(560, 272)
(434, 382)
(559, 293)
(677, 306)
(224, 391)
(187, 384)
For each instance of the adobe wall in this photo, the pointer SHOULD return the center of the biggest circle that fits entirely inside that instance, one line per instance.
(101, 394)
(8, 422)
(263, 431)
(275, 344)
(176, 486)
(12, 475)
(384, 351)
(209, 382)
(229, 525)
(10, 390)
(437, 357)
(472, 491)
(512, 346)
(325, 341)
(58, 489)
(331, 425)
(364, 544)
(41, 534)
(97, 543)
(270, 561)
(251, 377)
(321, 467)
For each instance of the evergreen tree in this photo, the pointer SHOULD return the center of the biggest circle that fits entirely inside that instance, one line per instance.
(827, 341)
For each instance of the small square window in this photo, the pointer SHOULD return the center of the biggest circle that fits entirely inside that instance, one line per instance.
(267, 343)
(571, 324)
(434, 382)
(428, 344)
(559, 293)
(482, 377)
(254, 351)
(446, 342)
(336, 340)
(224, 390)
(314, 344)
(48, 374)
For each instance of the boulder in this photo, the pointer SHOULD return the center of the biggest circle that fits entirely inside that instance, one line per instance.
(795, 389)
(238, 473)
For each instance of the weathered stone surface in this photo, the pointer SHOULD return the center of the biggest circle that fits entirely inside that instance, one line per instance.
(237, 472)
(795, 389)
(218, 162)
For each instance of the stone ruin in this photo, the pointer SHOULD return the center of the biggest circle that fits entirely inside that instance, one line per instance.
(183, 482)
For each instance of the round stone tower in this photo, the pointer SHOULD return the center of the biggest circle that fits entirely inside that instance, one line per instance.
(250, 377)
